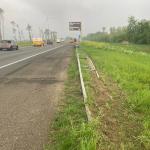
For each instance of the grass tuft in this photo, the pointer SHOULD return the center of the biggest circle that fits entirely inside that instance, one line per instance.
(25, 43)
(129, 67)
(70, 130)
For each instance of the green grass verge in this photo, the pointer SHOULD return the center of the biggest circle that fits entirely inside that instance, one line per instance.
(70, 130)
(129, 66)
(25, 43)
(87, 77)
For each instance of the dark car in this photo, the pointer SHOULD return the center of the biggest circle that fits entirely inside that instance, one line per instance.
(8, 45)
(49, 42)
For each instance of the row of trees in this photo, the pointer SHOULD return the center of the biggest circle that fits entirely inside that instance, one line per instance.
(137, 31)
(17, 32)
(16, 29)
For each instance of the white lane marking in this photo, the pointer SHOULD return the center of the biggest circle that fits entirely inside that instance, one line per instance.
(7, 65)
(20, 52)
(23, 47)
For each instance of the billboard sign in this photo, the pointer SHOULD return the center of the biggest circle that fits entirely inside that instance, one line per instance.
(75, 26)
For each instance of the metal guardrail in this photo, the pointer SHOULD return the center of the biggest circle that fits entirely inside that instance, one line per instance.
(88, 112)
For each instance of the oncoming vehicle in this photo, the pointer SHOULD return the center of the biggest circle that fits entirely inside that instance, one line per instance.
(8, 45)
(58, 41)
(37, 42)
(49, 42)
(62, 40)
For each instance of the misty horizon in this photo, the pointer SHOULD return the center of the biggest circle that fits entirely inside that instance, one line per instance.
(56, 15)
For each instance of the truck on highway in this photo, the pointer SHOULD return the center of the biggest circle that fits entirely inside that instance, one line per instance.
(8, 45)
(37, 42)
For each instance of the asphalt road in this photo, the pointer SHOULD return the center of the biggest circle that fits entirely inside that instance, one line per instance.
(31, 84)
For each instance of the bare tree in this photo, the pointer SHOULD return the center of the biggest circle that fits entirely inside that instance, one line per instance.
(41, 33)
(104, 28)
(47, 34)
(19, 32)
(22, 35)
(29, 29)
(112, 30)
(54, 35)
(1, 24)
(14, 29)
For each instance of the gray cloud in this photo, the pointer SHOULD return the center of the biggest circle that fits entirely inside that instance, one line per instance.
(93, 13)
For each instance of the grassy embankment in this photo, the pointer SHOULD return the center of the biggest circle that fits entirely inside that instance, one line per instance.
(25, 43)
(70, 130)
(119, 101)
(127, 112)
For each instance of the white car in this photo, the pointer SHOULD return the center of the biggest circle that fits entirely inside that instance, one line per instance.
(62, 40)
(58, 41)
(8, 44)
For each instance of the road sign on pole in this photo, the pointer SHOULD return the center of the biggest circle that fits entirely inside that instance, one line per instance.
(75, 26)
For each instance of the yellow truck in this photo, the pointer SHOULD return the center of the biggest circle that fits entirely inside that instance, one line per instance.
(37, 42)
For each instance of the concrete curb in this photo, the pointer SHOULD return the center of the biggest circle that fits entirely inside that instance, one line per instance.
(88, 112)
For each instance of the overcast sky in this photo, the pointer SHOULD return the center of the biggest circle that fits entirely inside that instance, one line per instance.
(57, 13)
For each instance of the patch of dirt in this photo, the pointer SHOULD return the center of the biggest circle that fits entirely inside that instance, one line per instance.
(118, 125)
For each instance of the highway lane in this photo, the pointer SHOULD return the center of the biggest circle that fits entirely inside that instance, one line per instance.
(29, 95)
(7, 57)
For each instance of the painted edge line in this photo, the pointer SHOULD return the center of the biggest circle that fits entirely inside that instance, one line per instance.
(26, 58)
